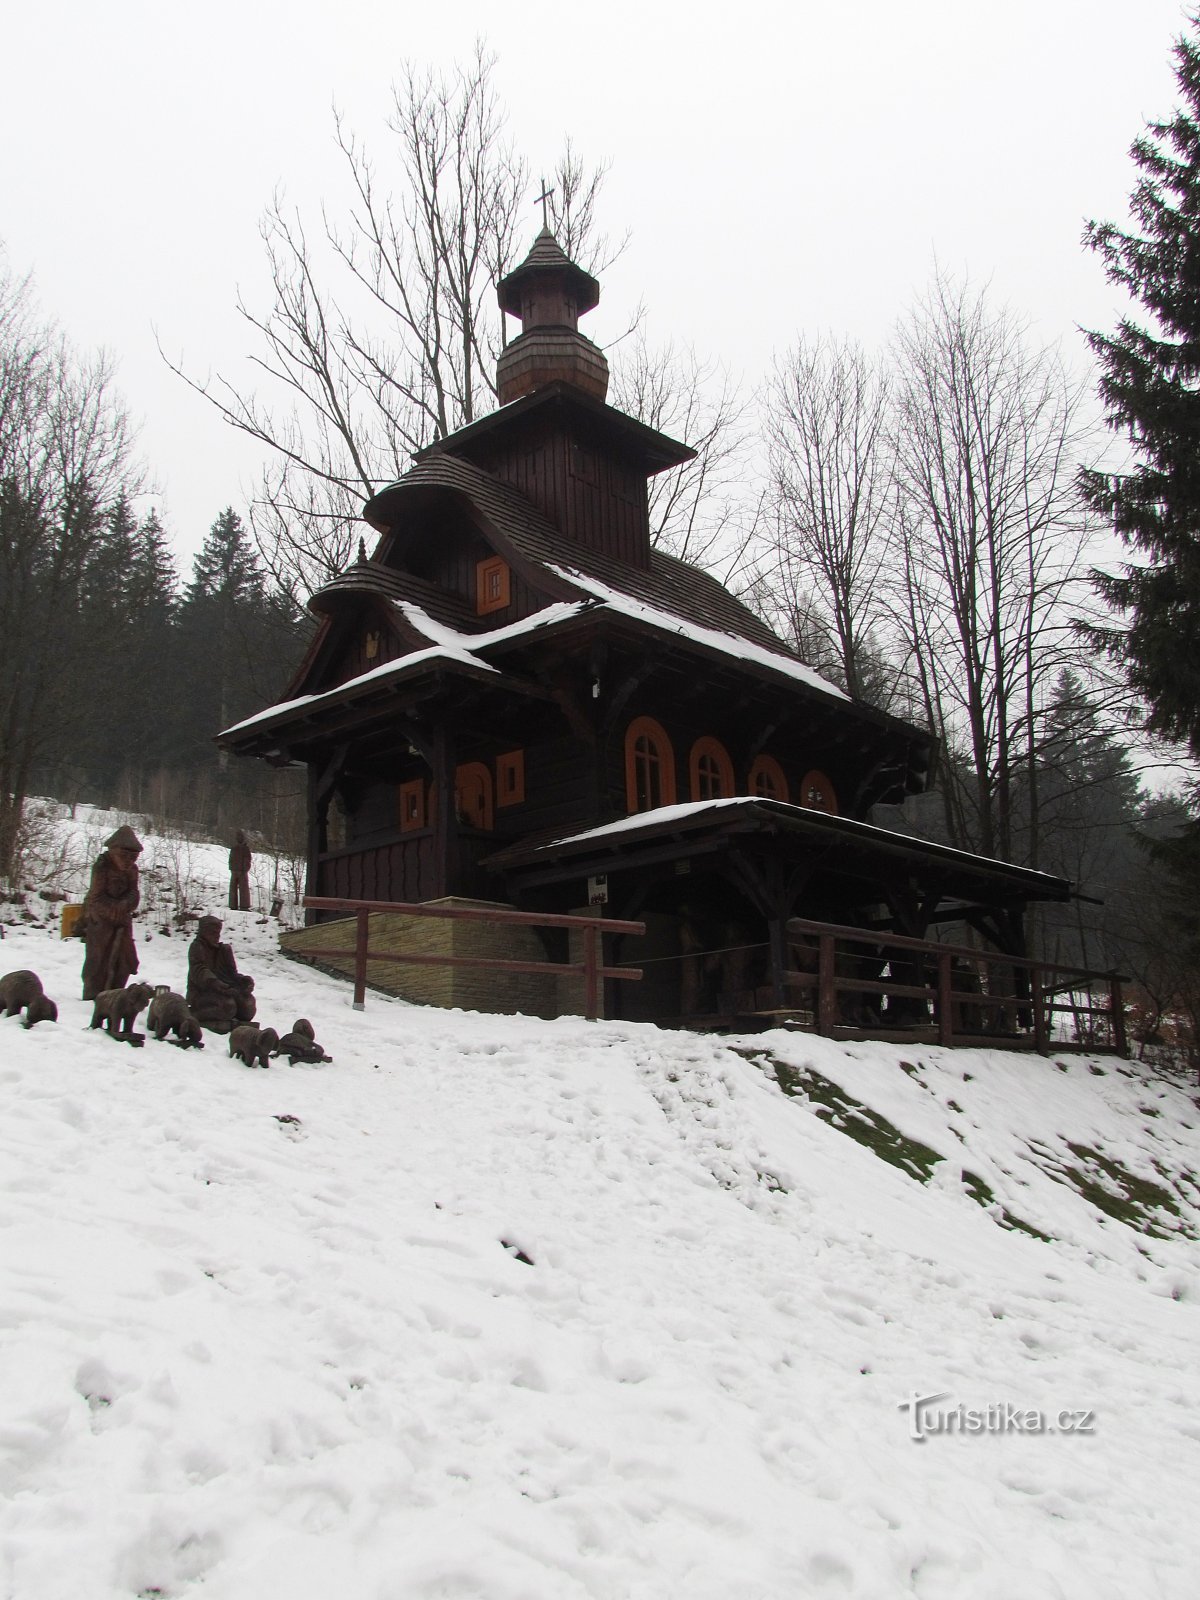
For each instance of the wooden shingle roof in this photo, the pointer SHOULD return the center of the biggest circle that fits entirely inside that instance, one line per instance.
(565, 566)
(380, 581)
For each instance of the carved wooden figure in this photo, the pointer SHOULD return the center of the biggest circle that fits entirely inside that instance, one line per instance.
(22, 991)
(239, 873)
(218, 994)
(301, 1044)
(169, 1013)
(107, 918)
(252, 1045)
(118, 1010)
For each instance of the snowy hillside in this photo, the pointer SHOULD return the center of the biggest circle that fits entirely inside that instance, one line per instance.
(496, 1309)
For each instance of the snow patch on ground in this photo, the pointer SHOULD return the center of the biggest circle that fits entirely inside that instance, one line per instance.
(493, 1307)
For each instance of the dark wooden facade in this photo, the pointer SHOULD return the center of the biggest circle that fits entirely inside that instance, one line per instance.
(515, 666)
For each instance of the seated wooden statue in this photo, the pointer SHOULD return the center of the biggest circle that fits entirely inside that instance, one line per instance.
(218, 995)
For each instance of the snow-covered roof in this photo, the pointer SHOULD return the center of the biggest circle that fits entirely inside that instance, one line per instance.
(663, 817)
(668, 594)
(743, 649)
(449, 646)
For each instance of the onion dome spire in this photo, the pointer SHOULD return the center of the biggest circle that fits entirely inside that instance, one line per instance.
(549, 293)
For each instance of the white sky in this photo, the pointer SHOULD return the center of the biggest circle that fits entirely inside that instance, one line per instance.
(783, 167)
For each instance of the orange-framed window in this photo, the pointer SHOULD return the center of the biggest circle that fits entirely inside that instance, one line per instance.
(412, 805)
(473, 795)
(767, 779)
(710, 770)
(649, 766)
(817, 793)
(493, 585)
(510, 778)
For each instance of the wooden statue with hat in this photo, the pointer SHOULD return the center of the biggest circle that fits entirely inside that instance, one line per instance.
(107, 921)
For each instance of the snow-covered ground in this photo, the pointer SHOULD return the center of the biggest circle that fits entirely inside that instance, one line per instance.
(499, 1309)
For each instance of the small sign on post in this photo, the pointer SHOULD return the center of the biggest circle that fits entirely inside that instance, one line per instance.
(598, 890)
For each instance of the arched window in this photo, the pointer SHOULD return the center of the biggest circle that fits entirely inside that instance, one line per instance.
(473, 795)
(710, 770)
(816, 792)
(649, 766)
(767, 779)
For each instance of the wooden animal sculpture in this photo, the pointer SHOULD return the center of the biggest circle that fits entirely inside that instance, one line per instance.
(22, 991)
(118, 1010)
(40, 1009)
(301, 1044)
(169, 1013)
(253, 1045)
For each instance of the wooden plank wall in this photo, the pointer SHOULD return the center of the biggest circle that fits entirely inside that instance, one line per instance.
(394, 871)
(595, 498)
(454, 570)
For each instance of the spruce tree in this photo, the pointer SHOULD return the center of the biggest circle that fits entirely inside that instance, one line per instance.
(153, 577)
(1150, 385)
(238, 644)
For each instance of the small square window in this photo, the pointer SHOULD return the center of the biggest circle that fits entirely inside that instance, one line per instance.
(510, 778)
(412, 805)
(493, 585)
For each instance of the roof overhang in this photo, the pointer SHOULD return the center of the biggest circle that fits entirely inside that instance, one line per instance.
(838, 844)
(352, 707)
(653, 451)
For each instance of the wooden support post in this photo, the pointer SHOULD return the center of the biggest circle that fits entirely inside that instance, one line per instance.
(445, 817)
(945, 981)
(1116, 1013)
(360, 960)
(777, 936)
(826, 988)
(316, 825)
(591, 978)
(1041, 1030)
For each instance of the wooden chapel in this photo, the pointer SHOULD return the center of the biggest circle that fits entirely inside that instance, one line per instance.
(515, 699)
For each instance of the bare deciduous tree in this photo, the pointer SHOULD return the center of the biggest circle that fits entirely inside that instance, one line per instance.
(827, 432)
(700, 511)
(990, 537)
(574, 195)
(65, 457)
(403, 351)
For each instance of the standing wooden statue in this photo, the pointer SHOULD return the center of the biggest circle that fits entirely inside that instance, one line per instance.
(239, 873)
(107, 918)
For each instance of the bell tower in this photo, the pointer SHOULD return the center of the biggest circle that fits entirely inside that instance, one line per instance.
(549, 294)
(554, 437)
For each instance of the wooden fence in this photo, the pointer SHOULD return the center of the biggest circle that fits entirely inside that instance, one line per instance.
(591, 968)
(975, 997)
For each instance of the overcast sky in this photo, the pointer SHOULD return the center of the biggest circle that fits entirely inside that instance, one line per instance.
(783, 168)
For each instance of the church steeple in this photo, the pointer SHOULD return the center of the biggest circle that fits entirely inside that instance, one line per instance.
(549, 293)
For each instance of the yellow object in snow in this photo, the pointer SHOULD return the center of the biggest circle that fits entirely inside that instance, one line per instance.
(72, 916)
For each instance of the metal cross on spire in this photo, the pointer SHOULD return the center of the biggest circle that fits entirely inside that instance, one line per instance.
(544, 197)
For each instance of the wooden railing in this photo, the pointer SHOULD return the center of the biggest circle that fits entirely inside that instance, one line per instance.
(591, 969)
(1010, 998)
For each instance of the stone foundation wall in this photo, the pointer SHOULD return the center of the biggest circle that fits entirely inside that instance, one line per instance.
(537, 994)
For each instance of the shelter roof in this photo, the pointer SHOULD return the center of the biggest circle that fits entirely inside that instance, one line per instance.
(696, 824)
